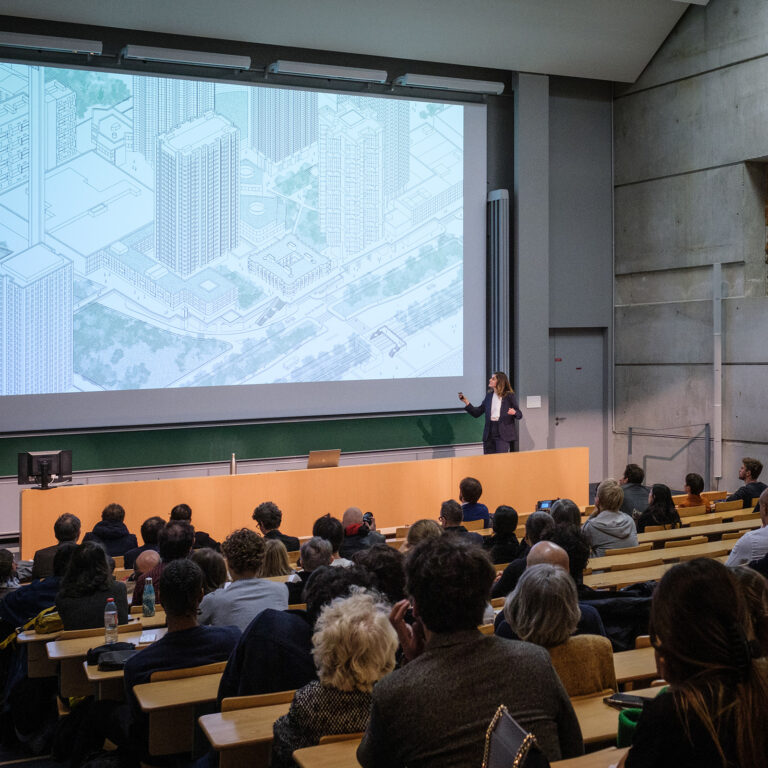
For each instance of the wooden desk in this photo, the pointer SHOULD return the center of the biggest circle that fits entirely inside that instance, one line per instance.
(599, 722)
(170, 705)
(70, 655)
(637, 664)
(603, 758)
(710, 549)
(338, 754)
(659, 537)
(38, 663)
(108, 685)
(619, 579)
(243, 736)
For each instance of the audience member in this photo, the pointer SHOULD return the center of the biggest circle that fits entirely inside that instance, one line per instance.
(358, 534)
(247, 595)
(754, 544)
(565, 512)
(186, 644)
(174, 542)
(635, 493)
(420, 531)
(213, 566)
(538, 526)
(387, 565)
(440, 703)
(547, 552)
(268, 518)
(754, 590)
(85, 587)
(331, 529)
(544, 610)
(470, 491)
(66, 529)
(9, 581)
(749, 472)
(694, 485)
(353, 647)
(577, 547)
(315, 553)
(451, 517)
(660, 511)
(150, 530)
(275, 651)
(606, 527)
(24, 603)
(275, 562)
(111, 532)
(145, 562)
(183, 513)
(503, 546)
(709, 716)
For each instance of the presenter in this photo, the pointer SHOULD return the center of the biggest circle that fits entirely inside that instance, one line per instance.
(501, 414)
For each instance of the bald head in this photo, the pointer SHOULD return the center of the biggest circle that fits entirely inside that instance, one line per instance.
(352, 516)
(146, 561)
(547, 552)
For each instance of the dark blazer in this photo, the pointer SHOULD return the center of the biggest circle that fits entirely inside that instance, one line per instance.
(292, 544)
(42, 565)
(507, 423)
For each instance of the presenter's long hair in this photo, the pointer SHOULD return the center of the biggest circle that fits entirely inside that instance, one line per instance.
(503, 387)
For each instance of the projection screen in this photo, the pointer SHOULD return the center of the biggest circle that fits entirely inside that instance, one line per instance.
(180, 251)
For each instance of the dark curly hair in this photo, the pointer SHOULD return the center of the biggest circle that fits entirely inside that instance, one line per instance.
(181, 585)
(269, 515)
(327, 583)
(244, 550)
(330, 529)
(88, 571)
(450, 583)
(212, 565)
(175, 540)
(387, 566)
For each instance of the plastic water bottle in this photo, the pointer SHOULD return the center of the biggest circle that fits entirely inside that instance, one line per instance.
(110, 621)
(148, 599)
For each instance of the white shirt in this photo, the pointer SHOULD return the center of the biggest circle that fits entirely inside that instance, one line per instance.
(751, 546)
(495, 407)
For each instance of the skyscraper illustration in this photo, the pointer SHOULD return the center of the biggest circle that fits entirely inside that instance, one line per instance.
(161, 104)
(351, 184)
(60, 135)
(36, 290)
(281, 122)
(196, 193)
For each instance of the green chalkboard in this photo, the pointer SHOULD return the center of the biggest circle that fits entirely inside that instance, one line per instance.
(191, 445)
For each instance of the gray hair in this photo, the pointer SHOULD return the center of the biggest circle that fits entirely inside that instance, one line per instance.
(315, 553)
(544, 607)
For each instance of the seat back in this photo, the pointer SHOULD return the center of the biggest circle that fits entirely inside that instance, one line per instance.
(626, 550)
(733, 535)
(177, 674)
(726, 506)
(685, 542)
(691, 511)
(257, 700)
(710, 496)
(334, 737)
(629, 565)
(643, 641)
(474, 525)
(401, 531)
(486, 629)
(652, 528)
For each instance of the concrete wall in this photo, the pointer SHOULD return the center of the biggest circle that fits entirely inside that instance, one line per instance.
(690, 192)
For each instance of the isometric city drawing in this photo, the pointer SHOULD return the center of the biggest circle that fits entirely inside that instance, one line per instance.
(158, 232)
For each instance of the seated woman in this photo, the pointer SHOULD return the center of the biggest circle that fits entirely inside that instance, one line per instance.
(85, 587)
(608, 527)
(353, 647)
(660, 510)
(544, 610)
(213, 566)
(275, 562)
(419, 531)
(503, 546)
(711, 715)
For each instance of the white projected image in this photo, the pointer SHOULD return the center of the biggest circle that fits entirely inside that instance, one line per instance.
(161, 233)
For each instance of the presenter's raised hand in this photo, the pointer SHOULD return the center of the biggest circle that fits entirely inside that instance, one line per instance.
(463, 399)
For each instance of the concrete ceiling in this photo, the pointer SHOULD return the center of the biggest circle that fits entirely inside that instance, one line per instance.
(602, 39)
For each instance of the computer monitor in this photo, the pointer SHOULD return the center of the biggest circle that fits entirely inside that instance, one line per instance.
(42, 468)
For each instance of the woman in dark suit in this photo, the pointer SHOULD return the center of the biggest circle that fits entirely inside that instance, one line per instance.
(501, 411)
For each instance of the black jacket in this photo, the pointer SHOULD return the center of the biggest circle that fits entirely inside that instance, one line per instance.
(113, 536)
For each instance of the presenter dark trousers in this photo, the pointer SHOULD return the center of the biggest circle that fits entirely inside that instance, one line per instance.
(493, 443)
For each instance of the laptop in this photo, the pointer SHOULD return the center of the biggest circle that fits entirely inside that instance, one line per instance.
(319, 459)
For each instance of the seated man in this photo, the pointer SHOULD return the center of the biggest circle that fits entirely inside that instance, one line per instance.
(694, 485)
(275, 651)
(749, 472)
(359, 532)
(331, 529)
(635, 493)
(315, 553)
(174, 542)
(470, 492)
(186, 644)
(434, 711)
(247, 595)
(111, 532)
(150, 529)
(8, 578)
(451, 517)
(183, 512)
(753, 545)
(268, 517)
(66, 529)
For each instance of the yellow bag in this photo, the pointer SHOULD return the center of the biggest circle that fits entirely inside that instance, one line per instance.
(48, 621)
